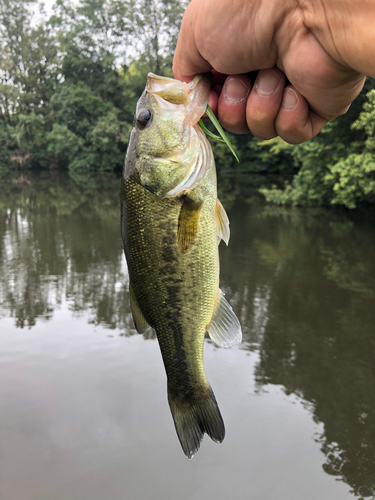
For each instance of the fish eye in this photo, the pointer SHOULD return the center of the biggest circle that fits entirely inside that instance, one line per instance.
(144, 118)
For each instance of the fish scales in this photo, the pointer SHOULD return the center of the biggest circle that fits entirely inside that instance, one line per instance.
(185, 284)
(170, 235)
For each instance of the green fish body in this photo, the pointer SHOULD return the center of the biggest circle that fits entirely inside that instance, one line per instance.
(172, 222)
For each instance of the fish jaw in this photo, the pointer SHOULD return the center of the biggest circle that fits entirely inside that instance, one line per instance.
(170, 90)
(193, 95)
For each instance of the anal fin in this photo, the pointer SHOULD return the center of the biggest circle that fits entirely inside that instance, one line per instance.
(140, 321)
(222, 222)
(224, 329)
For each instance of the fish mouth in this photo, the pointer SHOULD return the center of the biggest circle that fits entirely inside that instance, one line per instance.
(191, 100)
(193, 95)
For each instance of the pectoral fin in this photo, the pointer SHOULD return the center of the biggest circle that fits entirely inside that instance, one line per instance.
(140, 322)
(188, 224)
(224, 329)
(222, 222)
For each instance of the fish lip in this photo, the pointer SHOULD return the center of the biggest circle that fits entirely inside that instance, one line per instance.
(200, 86)
(170, 90)
(199, 91)
(193, 95)
(202, 78)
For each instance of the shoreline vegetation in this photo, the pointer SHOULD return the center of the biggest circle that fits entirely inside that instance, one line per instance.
(69, 82)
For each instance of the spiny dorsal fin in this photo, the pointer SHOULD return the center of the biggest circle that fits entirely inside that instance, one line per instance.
(188, 224)
(224, 329)
(140, 322)
(222, 222)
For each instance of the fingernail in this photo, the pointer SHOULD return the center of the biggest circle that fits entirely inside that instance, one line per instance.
(290, 99)
(235, 90)
(267, 82)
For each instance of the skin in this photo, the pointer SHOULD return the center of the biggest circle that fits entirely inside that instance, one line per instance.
(310, 58)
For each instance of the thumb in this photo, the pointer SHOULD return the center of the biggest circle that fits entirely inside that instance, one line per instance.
(188, 61)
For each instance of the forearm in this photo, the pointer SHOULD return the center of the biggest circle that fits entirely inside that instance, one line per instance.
(345, 28)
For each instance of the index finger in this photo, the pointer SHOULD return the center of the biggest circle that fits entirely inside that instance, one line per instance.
(188, 61)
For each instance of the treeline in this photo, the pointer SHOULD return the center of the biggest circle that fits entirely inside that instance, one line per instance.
(69, 83)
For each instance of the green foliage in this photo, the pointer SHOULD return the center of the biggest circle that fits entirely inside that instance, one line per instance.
(354, 180)
(337, 166)
(88, 132)
(157, 24)
(8, 144)
(63, 144)
(255, 156)
(69, 83)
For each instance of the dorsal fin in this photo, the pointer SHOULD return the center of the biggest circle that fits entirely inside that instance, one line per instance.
(224, 329)
(222, 222)
(140, 321)
(188, 224)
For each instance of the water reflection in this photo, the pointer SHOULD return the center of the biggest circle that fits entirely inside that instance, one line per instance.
(308, 280)
(59, 241)
(301, 282)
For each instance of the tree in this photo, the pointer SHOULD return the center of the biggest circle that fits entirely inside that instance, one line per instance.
(157, 23)
(337, 166)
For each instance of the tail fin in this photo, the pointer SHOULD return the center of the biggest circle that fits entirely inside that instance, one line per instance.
(192, 420)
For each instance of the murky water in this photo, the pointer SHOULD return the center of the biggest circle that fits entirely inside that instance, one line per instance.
(83, 409)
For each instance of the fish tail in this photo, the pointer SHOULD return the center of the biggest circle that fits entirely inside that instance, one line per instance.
(194, 418)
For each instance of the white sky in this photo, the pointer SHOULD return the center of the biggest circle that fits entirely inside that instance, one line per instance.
(49, 4)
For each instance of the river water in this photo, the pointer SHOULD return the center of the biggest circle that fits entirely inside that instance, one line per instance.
(83, 408)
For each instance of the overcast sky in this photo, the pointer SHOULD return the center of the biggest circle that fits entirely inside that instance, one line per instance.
(49, 4)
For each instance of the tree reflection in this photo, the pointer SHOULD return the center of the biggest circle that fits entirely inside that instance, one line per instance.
(317, 333)
(60, 242)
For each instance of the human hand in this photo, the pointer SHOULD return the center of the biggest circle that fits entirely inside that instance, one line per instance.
(238, 37)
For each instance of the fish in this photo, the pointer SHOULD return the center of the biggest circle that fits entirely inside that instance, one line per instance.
(171, 224)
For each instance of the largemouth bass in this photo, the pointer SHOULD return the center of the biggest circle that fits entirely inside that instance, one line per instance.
(172, 223)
